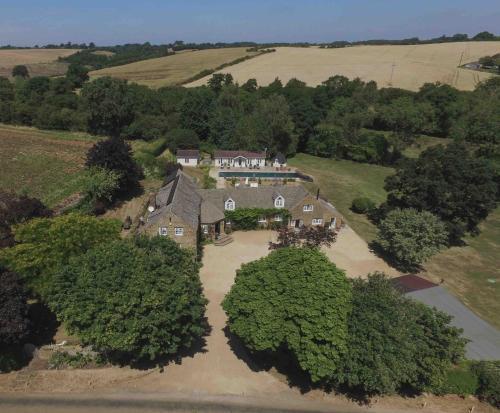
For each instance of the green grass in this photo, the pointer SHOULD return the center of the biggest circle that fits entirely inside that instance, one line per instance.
(342, 181)
(422, 143)
(468, 271)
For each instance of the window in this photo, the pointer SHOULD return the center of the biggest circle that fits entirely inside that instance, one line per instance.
(308, 208)
(278, 218)
(229, 205)
(163, 231)
(333, 224)
(279, 202)
(186, 160)
(179, 231)
(317, 221)
(204, 228)
(262, 220)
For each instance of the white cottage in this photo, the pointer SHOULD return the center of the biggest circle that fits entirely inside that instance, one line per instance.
(239, 159)
(188, 157)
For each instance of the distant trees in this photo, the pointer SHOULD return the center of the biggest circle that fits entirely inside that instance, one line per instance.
(451, 183)
(20, 71)
(293, 302)
(395, 343)
(77, 75)
(44, 244)
(115, 154)
(411, 237)
(133, 300)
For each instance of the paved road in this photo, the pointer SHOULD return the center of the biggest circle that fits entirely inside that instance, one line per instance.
(485, 339)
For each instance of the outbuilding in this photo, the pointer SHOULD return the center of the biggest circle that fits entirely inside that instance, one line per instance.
(188, 157)
(279, 161)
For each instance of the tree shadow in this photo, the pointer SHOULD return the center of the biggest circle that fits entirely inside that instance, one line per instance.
(265, 361)
(44, 324)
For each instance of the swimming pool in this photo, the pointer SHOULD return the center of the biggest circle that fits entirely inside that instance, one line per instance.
(251, 174)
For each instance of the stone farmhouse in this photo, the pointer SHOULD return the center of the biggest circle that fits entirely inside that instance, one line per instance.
(184, 212)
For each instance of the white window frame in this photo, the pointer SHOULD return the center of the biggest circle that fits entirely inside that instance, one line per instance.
(179, 231)
(278, 218)
(262, 220)
(317, 221)
(333, 224)
(279, 202)
(205, 228)
(308, 208)
(229, 205)
(163, 231)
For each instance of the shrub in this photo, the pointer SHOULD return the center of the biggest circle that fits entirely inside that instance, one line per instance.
(99, 186)
(410, 237)
(488, 373)
(62, 359)
(295, 302)
(362, 205)
(460, 379)
(133, 300)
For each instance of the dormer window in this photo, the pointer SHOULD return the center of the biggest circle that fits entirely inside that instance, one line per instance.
(308, 208)
(229, 205)
(279, 202)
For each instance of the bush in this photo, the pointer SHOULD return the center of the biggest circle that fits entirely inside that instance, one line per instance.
(460, 379)
(295, 302)
(362, 205)
(488, 373)
(410, 237)
(63, 359)
(132, 300)
(99, 186)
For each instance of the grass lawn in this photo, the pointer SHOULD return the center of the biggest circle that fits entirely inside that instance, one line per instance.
(44, 164)
(342, 181)
(468, 271)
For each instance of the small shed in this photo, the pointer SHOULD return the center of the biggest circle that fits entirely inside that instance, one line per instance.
(279, 160)
(188, 157)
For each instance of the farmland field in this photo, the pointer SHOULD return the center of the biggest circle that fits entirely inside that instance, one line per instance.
(175, 69)
(40, 62)
(407, 67)
(46, 165)
(470, 272)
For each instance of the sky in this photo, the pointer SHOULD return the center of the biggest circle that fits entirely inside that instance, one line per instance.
(109, 22)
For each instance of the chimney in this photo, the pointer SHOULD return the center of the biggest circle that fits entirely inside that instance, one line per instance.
(317, 195)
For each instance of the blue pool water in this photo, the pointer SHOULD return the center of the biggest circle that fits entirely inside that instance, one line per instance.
(251, 174)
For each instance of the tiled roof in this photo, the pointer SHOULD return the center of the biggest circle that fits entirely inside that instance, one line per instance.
(188, 153)
(180, 197)
(234, 154)
(262, 197)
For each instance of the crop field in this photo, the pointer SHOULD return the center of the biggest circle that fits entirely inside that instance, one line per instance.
(46, 165)
(470, 272)
(407, 67)
(175, 69)
(40, 62)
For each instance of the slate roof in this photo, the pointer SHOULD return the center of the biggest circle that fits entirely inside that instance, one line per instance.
(235, 154)
(188, 153)
(180, 197)
(262, 197)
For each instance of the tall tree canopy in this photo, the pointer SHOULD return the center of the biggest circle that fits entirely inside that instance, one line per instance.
(44, 244)
(293, 301)
(133, 299)
(395, 343)
(449, 182)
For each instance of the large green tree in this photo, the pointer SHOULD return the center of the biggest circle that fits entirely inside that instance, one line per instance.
(109, 105)
(411, 237)
(132, 299)
(395, 343)
(293, 301)
(44, 244)
(450, 182)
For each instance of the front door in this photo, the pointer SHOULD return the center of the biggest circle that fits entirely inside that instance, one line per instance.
(217, 229)
(297, 223)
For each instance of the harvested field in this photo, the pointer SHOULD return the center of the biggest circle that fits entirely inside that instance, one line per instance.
(46, 165)
(407, 67)
(40, 62)
(175, 69)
